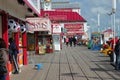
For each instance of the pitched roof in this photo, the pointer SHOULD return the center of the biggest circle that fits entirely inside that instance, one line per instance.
(62, 16)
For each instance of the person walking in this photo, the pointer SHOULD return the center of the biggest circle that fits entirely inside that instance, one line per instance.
(3, 60)
(13, 51)
(70, 41)
(74, 41)
(67, 41)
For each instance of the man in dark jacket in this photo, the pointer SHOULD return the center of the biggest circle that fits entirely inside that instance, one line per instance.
(74, 41)
(117, 52)
(13, 51)
(70, 41)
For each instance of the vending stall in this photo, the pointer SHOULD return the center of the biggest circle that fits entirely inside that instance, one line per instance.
(42, 34)
(45, 43)
(17, 31)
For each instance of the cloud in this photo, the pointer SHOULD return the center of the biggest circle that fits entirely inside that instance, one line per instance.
(101, 10)
(92, 19)
(117, 21)
(101, 2)
(119, 1)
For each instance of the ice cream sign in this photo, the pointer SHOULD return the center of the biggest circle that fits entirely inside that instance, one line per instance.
(38, 24)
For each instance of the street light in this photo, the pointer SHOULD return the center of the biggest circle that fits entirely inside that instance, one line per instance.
(98, 22)
(113, 12)
(110, 14)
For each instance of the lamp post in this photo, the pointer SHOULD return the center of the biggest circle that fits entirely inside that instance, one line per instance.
(98, 22)
(110, 14)
(113, 12)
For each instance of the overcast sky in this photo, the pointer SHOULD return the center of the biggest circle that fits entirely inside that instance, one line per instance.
(89, 9)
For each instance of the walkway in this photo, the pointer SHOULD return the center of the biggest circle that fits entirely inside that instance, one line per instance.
(72, 63)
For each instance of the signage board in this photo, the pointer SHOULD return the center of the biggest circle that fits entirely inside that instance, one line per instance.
(58, 17)
(74, 28)
(39, 24)
(56, 28)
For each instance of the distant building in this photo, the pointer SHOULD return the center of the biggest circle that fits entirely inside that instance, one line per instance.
(60, 5)
(66, 14)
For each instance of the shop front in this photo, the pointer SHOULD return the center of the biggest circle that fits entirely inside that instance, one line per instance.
(17, 12)
(45, 43)
(42, 34)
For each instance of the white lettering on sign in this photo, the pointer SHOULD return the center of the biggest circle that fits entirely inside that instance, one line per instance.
(39, 24)
(44, 25)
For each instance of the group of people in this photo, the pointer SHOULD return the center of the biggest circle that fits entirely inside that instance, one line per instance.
(6, 55)
(71, 41)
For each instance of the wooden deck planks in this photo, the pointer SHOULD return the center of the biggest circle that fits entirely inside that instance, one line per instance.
(75, 70)
(71, 63)
(53, 73)
(46, 61)
(65, 73)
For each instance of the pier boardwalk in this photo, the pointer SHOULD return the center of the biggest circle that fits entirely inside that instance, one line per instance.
(71, 63)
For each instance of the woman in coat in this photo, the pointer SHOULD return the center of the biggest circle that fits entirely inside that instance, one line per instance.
(3, 59)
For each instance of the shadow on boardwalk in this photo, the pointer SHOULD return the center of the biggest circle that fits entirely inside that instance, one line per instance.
(71, 63)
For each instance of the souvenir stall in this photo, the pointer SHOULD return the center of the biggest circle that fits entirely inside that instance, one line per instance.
(16, 31)
(45, 43)
(42, 33)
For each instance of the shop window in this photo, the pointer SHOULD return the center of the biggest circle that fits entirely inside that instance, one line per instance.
(30, 42)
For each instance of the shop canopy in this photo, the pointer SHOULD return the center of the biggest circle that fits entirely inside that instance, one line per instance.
(62, 16)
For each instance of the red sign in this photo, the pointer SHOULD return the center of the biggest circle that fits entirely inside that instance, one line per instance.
(73, 26)
(58, 17)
